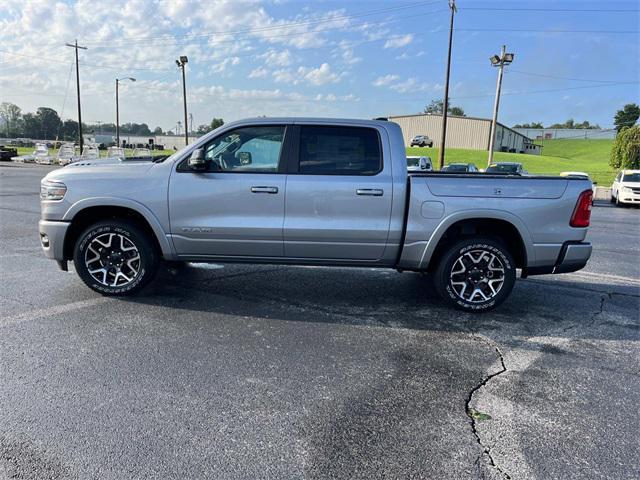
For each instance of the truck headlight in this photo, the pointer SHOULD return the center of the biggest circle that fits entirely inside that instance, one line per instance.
(627, 190)
(52, 190)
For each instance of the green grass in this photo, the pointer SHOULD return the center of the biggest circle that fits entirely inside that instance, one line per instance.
(590, 156)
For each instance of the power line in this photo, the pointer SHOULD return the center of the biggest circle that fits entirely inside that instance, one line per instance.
(130, 40)
(581, 10)
(535, 74)
(532, 30)
(282, 35)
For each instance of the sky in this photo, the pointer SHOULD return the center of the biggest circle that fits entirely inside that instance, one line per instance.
(364, 59)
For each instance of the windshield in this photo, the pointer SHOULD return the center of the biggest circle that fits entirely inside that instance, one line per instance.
(502, 169)
(631, 177)
(457, 168)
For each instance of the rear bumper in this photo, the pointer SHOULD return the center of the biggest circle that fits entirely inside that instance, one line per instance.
(573, 257)
(52, 236)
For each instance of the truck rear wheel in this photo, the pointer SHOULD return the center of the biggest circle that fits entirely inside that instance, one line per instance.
(115, 258)
(476, 274)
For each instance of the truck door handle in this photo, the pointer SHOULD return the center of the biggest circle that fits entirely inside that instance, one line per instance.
(372, 192)
(264, 190)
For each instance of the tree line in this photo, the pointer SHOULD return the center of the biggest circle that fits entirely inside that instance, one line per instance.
(626, 117)
(46, 124)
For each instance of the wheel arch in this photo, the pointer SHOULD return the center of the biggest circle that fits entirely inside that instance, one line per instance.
(87, 212)
(499, 225)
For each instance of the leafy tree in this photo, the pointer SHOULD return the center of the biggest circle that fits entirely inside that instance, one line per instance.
(70, 130)
(528, 125)
(627, 117)
(216, 122)
(202, 129)
(571, 123)
(157, 131)
(50, 123)
(30, 126)
(11, 116)
(625, 151)
(437, 107)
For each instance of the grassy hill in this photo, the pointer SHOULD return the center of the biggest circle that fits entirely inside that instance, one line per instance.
(590, 156)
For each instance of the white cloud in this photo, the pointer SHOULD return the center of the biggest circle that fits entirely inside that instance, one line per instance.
(258, 72)
(398, 41)
(273, 58)
(386, 80)
(410, 85)
(319, 76)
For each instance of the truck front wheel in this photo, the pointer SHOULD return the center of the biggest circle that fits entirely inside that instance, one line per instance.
(115, 257)
(475, 275)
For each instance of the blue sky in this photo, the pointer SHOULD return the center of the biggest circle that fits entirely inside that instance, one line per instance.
(324, 58)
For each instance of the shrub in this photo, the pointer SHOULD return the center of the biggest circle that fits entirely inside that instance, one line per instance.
(625, 151)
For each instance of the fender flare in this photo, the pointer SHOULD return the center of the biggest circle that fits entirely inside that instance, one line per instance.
(479, 214)
(148, 215)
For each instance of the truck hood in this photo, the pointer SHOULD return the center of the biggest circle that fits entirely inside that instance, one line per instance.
(100, 169)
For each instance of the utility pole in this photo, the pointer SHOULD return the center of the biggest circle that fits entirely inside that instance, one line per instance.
(80, 139)
(497, 61)
(118, 80)
(181, 63)
(445, 101)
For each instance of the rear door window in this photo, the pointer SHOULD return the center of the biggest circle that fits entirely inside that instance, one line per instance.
(337, 150)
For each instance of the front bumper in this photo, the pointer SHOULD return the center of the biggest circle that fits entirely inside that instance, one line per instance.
(52, 235)
(628, 197)
(573, 257)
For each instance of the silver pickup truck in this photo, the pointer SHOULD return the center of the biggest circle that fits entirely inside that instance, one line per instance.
(307, 191)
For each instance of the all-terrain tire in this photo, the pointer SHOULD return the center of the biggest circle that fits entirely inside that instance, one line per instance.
(475, 274)
(115, 258)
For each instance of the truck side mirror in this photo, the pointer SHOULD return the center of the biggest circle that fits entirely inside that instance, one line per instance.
(197, 161)
(244, 158)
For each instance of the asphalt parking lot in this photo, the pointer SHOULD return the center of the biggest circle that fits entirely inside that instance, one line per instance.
(289, 372)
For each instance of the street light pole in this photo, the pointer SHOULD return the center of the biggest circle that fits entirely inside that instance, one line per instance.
(80, 139)
(118, 80)
(497, 61)
(181, 63)
(445, 101)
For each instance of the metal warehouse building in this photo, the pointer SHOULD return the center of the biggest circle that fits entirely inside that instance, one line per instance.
(464, 132)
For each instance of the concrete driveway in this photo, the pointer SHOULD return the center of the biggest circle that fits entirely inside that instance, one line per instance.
(291, 372)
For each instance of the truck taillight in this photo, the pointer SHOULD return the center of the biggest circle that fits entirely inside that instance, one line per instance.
(582, 213)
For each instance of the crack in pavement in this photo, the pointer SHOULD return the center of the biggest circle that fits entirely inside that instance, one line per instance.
(485, 450)
(594, 315)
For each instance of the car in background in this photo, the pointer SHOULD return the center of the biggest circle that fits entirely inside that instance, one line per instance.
(421, 141)
(419, 164)
(460, 168)
(509, 168)
(626, 188)
(39, 155)
(583, 175)
(66, 153)
(116, 152)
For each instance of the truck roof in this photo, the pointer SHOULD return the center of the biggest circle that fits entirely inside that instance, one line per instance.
(318, 120)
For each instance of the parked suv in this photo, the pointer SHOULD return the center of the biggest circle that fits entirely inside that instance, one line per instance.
(460, 168)
(419, 164)
(309, 191)
(626, 188)
(510, 168)
(421, 141)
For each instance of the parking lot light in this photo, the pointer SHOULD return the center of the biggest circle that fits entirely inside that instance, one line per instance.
(497, 61)
(118, 80)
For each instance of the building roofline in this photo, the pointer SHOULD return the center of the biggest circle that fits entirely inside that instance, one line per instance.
(391, 117)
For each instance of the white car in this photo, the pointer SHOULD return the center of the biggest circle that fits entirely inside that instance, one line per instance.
(39, 155)
(626, 188)
(419, 164)
(66, 153)
(584, 175)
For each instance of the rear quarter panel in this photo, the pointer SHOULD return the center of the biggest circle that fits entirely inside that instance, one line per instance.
(539, 208)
